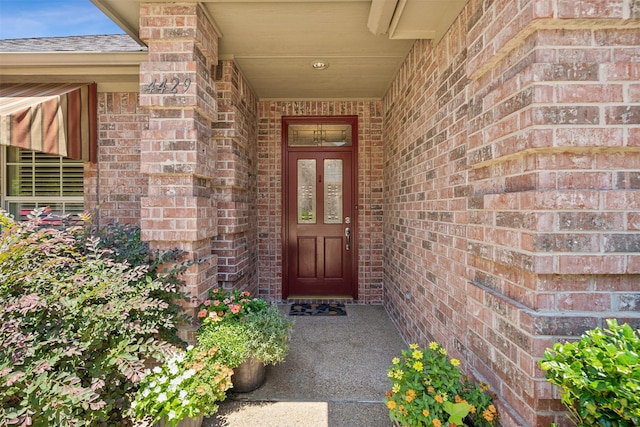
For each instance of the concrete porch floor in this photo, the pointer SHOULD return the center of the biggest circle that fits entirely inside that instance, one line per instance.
(334, 376)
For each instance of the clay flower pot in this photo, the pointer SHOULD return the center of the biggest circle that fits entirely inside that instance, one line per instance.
(248, 376)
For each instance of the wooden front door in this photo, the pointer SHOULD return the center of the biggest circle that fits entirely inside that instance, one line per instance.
(320, 247)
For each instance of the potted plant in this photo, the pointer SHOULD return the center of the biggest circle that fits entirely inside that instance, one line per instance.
(598, 376)
(428, 389)
(186, 388)
(250, 334)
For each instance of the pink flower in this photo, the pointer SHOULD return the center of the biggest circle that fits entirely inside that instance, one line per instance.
(216, 303)
(227, 301)
(214, 316)
(245, 294)
(202, 313)
(244, 300)
(235, 308)
(216, 290)
(207, 303)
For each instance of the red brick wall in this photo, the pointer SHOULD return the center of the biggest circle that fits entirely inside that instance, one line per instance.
(369, 191)
(235, 184)
(121, 185)
(511, 185)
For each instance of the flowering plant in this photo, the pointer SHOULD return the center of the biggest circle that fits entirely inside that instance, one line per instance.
(189, 384)
(228, 305)
(428, 390)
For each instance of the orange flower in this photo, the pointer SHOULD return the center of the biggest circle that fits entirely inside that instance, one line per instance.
(439, 398)
(487, 415)
(391, 404)
(430, 389)
(458, 399)
(410, 395)
(436, 423)
(472, 409)
(425, 412)
(202, 313)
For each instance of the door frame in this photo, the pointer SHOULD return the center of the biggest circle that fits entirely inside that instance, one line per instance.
(285, 122)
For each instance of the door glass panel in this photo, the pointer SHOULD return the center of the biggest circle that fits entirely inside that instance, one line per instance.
(333, 191)
(319, 135)
(306, 191)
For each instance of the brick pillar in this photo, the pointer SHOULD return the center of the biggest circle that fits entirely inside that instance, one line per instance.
(177, 152)
(554, 155)
(235, 133)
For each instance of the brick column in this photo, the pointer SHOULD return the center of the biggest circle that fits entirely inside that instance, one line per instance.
(554, 155)
(235, 134)
(177, 152)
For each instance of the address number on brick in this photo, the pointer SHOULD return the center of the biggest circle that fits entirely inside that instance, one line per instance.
(168, 87)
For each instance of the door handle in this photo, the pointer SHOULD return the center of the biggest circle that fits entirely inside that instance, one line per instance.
(347, 233)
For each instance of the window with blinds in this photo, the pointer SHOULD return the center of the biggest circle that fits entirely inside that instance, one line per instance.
(34, 179)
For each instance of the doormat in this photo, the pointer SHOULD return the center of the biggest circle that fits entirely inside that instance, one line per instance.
(335, 309)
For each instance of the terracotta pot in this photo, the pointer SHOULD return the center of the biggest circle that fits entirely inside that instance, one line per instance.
(186, 422)
(248, 376)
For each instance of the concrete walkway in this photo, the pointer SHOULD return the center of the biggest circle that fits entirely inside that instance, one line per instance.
(335, 376)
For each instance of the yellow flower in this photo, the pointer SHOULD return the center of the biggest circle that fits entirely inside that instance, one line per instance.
(390, 374)
(443, 351)
(492, 409)
(410, 395)
(417, 366)
(484, 386)
(436, 423)
(455, 362)
(433, 345)
(391, 404)
(472, 410)
(425, 412)
(439, 398)
(413, 346)
(399, 373)
(417, 354)
(395, 361)
(395, 388)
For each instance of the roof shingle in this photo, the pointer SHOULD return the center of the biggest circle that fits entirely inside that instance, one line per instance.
(96, 43)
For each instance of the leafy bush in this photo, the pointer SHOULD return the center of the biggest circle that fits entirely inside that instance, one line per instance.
(599, 376)
(268, 333)
(76, 326)
(231, 340)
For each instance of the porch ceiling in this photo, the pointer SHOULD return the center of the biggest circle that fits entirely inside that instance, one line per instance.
(275, 42)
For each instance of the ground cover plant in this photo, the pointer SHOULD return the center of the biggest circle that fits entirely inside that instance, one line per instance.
(78, 322)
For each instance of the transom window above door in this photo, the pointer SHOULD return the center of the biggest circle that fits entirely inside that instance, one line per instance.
(319, 135)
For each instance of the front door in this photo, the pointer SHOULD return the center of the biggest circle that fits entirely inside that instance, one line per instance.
(320, 166)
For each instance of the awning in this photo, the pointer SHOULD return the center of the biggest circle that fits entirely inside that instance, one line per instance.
(52, 118)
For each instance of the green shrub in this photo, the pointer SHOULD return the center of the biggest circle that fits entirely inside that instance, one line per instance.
(268, 333)
(76, 326)
(599, 376)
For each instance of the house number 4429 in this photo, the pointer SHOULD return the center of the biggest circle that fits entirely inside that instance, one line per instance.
(168, 87)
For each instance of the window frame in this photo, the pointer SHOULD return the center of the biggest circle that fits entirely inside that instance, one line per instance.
(37, 200)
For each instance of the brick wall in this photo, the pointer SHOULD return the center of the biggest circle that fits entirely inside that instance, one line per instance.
(369, 191)
(235, 132)
(121, 122)
(511, 188)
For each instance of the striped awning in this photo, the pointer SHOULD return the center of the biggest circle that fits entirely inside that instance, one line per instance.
(53, 118)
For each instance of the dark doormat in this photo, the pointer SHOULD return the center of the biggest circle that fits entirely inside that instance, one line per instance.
(335, 309)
